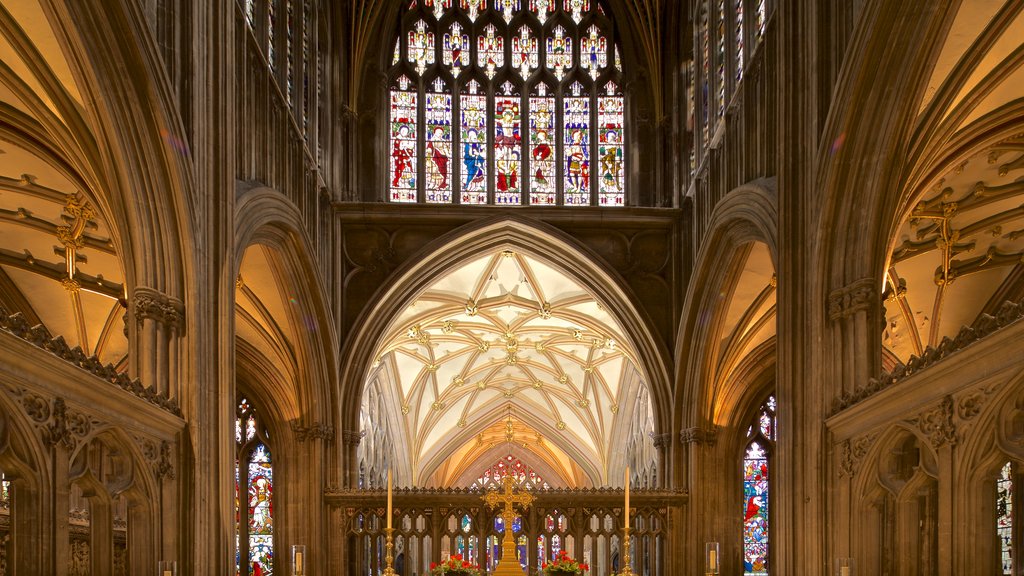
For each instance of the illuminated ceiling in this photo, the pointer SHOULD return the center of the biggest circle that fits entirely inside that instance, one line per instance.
(58, 266)
(958, 251)
(502, 332)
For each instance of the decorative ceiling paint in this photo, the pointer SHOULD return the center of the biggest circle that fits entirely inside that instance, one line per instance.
(506, 331)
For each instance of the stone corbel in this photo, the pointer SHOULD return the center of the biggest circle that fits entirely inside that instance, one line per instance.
(857, 297)
(315, 431)
(351, 438)
(703, 436)
(662, 440)
(155, 305)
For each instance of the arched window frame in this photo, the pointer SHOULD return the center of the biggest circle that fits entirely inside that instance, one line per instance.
(474, 18)
(758, 454)
(248, 446)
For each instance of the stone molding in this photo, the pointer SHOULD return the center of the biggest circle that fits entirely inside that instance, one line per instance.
(856, 297)
(315, 431)
(698, 436)
(985, 325)
(56, 424)
(153, 304)
(38, 335)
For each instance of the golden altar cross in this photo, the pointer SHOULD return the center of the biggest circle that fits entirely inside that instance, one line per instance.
(508, 500)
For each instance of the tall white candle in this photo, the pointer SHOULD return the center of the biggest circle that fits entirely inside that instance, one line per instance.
(713, 561)
(298, 563)
(627, 497)
(389, 498)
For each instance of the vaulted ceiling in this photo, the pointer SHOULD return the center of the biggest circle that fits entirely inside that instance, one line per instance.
(58, 265)
(507, 335)
(958, 252)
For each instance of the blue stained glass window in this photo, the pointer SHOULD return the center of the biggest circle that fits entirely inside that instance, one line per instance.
(519, 121)
(756, 486)
(254, 517)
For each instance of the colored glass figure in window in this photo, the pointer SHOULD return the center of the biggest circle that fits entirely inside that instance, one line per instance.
(1004, 517)
(740, 31)
(403, 142)
(761, 439)
(542, 159)
(507, 8)
(439, 144)
(577, 147)
(421, 47)
(473, 8)
(609, 129)
(525, 53)
(576, 8)
(508, 143)
(594, 52)
(397, 56)
(439, 6)
(542, 8)
(456, 49)
(474, 145)
(490, 50)
(559, 53)
(254, 516)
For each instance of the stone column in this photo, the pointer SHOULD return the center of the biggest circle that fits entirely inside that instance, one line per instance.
(699, 520)
(306, 479)
(159, 321)
(662, 443)
(351, 439)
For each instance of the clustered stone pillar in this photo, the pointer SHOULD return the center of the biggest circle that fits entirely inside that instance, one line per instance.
(160, 321)
(351, 439)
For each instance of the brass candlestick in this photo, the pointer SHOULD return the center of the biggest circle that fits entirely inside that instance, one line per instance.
(627, 569)
(389, 547)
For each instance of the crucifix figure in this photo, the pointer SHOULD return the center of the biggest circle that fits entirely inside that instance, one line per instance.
(508, 500)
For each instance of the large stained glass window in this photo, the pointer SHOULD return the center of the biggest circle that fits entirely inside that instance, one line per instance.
(491, 477)
(508, 103)
(756, 466)
(254, 495)
(1004, 517)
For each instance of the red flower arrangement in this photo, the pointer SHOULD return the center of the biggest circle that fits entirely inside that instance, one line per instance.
(455, 566)
(563, 564)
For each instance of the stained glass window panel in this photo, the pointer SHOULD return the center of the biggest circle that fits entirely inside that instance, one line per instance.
(542, 8)
(438, 6)
(261, 555)
(721, 58)
(610, 150)
(271, 20)
(473, 8)
(1004, 517)
(507, 8)
(577, 148)
(508, 142)
(261, 525)
(455, 52)
(739, 39)
(490, 51)
(755, 510)
(439, 144)
(525, 52)
(559, 52)
(250, 8)
(542, 158)
(421, 46)
(762, 19)
(576, 8)
(403, 142)
(594, 52)
(705, 94)
(289, 82)
(474, 145)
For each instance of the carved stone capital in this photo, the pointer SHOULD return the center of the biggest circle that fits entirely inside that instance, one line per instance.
(351, 438)
(937, 424)
(857, 297)
(152, 304)
(315, 431)
(698, 436)
(662, 440)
